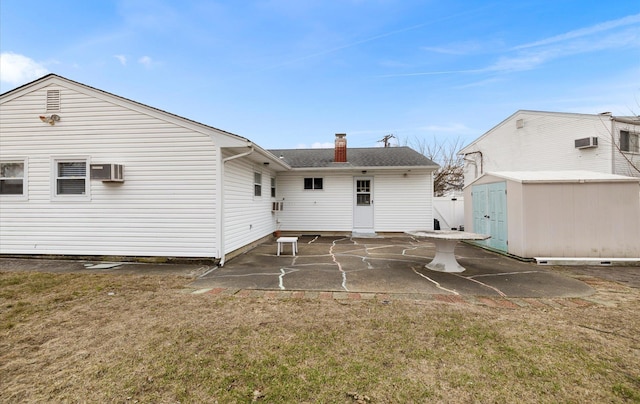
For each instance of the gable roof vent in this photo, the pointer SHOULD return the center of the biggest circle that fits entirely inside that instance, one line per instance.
(586, 142)
(520, 124)
(53, 100)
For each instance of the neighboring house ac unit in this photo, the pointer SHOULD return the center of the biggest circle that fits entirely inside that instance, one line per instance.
(586, 142)
(276, 206)
(107, 172)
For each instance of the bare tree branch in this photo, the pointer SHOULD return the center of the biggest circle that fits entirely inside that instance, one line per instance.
(450, 175)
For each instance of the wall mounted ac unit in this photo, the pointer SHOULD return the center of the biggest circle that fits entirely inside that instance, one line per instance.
(586, 142)
(276, 206)
(107, 172)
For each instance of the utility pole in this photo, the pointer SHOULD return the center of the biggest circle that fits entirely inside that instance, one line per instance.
(386, 140)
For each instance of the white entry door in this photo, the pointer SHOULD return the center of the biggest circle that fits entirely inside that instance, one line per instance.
(363, 205)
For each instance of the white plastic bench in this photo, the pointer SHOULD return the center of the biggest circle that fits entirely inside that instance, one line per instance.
(292, 240)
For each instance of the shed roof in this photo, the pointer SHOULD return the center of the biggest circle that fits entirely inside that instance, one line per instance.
(561, 176)
(387, 157)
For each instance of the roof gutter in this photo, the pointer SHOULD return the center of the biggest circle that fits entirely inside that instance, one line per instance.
(626, 120)
(237, 156)
(221, 200)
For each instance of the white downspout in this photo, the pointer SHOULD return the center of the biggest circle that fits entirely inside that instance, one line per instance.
(221, 198)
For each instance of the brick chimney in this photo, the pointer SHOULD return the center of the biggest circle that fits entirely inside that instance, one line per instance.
(341, 148)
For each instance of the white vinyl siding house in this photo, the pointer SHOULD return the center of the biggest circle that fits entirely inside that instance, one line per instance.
(535, 140)
(376, 190)
(166, 205)
(247, 216)
(187, 189)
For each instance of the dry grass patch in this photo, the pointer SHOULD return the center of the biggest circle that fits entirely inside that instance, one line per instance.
(119, 338)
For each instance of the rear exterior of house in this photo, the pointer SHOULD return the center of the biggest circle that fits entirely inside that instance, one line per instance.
(172, 199)
(84, 172)
(570, 214)
(355, 190)
(554, 141)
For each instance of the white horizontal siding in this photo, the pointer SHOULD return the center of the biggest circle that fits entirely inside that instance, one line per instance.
(400, 203)
(246, 217)
(546, 142)
(625, 163)
(328, 209)
(165, 207)
(403, 203)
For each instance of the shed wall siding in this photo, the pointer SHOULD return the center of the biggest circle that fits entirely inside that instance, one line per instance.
(582, 220)
(546, 142)
(247, 218)
(165, 207)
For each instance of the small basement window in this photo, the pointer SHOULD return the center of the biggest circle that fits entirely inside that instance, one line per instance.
(257, 184)
(12, 178)
(313, 183)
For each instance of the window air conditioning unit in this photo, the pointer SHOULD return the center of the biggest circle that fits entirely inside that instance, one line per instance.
(107, 172)
(586, 142)
(277, 206)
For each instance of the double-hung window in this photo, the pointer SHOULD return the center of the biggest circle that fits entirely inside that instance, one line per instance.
(13, 178)
(629, 141)
(313, 183)
(257, 184)
(71, 178)
(273, 187)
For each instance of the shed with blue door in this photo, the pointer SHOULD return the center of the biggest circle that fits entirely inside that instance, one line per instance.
(568, 214)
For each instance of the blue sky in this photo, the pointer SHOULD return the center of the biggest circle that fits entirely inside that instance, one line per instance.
(292, 73)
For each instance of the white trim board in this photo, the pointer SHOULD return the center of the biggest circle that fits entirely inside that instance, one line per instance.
(586, 261)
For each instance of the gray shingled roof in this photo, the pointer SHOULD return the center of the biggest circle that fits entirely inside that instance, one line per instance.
(356, 157)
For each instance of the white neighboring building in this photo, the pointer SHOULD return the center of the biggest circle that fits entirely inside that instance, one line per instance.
(84, 172)
(556, 184)
(556, 141)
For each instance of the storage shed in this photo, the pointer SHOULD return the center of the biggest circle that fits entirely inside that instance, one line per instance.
(579, 214)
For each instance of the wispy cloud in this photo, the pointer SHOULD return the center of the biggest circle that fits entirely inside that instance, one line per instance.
(605, 26)
(599, 37)
(375, 38)
(122, 59)
(431, 73)
(16, 69)
(463, 48)
(531, 56)
(146, 61)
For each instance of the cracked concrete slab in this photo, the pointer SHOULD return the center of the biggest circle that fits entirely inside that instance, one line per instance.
(392, 264)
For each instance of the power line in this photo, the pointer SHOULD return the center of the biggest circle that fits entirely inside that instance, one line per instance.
(386, 140)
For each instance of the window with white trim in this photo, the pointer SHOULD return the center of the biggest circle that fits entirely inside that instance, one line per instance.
(71, 177)
(313, 183)
(629, 141)
(273, 187)
(257, 184)
(13, 178)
